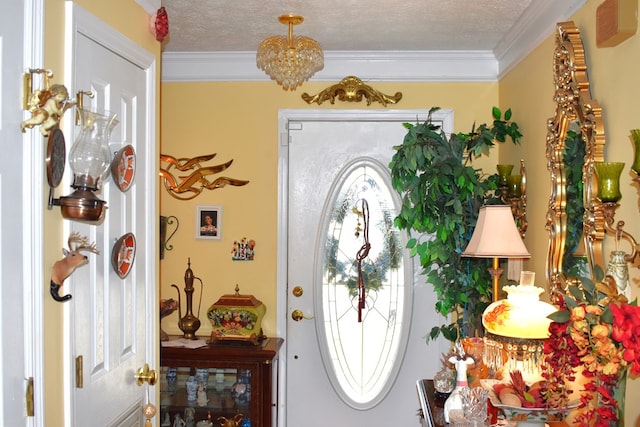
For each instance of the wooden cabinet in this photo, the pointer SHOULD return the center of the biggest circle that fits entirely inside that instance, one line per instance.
(238, 383)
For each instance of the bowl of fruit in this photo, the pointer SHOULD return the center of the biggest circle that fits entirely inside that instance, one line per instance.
(521, 402)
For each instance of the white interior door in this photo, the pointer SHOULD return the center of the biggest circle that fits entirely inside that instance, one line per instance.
(331, 377)
(113, 319)
(21, 218)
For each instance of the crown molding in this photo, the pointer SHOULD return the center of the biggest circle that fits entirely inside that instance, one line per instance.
(368, 65)
(537, 24)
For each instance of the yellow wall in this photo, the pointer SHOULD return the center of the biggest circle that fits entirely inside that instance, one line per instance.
(239, 121)
(130, 19)
(615, 84)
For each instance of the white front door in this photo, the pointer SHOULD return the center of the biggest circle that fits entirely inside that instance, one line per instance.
(112, 319)
(340, 371)
(21, 220)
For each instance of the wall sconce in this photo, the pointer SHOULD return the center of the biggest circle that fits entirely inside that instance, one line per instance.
(608, 196)
(496, 236)
(46, 105)
(513, 192)
(90, 160)
(608, 184)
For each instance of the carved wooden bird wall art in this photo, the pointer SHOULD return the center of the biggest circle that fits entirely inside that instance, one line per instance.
(186, 178)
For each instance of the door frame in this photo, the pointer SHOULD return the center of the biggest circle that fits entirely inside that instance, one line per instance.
(80, 21)
(284, 117)
(33, 244)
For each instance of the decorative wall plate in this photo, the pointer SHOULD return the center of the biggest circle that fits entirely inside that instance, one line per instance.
(56, 157)
(123, 254)
(123, 167)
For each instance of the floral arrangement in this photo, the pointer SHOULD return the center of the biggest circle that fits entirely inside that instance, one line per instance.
(596, 333)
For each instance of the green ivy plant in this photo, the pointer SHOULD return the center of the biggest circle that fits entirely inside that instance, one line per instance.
(441, 195)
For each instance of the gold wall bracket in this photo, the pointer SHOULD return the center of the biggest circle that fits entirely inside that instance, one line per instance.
(351, 89)
(47, 105)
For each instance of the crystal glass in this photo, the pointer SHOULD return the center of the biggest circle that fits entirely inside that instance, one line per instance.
(474, 405)
(608, 176)
(290, 60)
(444, 380)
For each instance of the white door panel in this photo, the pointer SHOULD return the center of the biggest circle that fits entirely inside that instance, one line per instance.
(112, 318)
(318, 149)
(21, 219)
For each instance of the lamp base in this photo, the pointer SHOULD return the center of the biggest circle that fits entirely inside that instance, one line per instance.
(82, 205)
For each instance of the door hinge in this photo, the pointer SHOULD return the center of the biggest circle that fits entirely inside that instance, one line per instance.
(29, 397)
(79, 376)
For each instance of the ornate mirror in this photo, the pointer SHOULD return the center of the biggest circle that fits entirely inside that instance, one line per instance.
(575, 140)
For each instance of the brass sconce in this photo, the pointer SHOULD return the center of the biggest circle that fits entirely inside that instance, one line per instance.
(513, 192)
(46, 105)
(608, 182)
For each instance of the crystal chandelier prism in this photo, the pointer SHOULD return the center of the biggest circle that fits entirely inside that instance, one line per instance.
(290, 60)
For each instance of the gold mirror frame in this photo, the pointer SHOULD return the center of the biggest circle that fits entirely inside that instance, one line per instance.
(573, 104)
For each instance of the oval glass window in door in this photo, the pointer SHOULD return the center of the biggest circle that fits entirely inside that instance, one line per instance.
(362, 358)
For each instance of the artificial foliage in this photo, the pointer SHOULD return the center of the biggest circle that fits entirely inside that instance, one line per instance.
(595, 333)
(441, 195)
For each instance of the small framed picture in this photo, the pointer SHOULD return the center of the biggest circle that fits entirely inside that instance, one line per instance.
(208, 222)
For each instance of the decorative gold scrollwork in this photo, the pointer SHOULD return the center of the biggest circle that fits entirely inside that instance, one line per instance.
(351, 89)
(190, 186)
(573, 105)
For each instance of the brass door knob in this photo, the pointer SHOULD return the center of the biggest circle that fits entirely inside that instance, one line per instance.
(145, 374)
(298, 315)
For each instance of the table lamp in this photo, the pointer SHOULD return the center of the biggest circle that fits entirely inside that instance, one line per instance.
(496, 236)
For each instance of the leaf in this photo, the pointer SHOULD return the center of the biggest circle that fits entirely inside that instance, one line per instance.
(560, 316)
(435, 331)
(607, 316)
(496, 113)
(577, 294)
(507, 114)
(571, 303)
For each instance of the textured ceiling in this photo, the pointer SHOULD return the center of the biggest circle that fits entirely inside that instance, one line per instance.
(346, 25)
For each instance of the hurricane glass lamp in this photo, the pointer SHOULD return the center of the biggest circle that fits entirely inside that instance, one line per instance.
(290, 60)
(89, 159)
(496, 236)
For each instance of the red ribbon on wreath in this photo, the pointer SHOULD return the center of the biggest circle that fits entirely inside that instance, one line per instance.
(362, 253)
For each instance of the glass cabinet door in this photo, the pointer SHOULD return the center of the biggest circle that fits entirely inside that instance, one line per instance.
(204, 397)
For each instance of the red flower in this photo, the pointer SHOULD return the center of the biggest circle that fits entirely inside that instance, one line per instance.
(600, 335)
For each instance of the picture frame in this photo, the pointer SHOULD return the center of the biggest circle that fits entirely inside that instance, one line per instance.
(208, 222)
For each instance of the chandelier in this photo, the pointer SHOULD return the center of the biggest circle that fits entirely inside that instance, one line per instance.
(290, 60)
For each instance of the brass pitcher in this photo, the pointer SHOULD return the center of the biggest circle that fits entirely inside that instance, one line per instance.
(189, 324)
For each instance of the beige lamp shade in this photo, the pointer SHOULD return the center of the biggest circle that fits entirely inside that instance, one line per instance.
(496, 235)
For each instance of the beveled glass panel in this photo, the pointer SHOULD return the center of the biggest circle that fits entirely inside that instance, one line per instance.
(362, 358)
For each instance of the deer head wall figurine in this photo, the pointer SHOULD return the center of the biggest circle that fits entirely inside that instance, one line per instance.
(73, 259)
